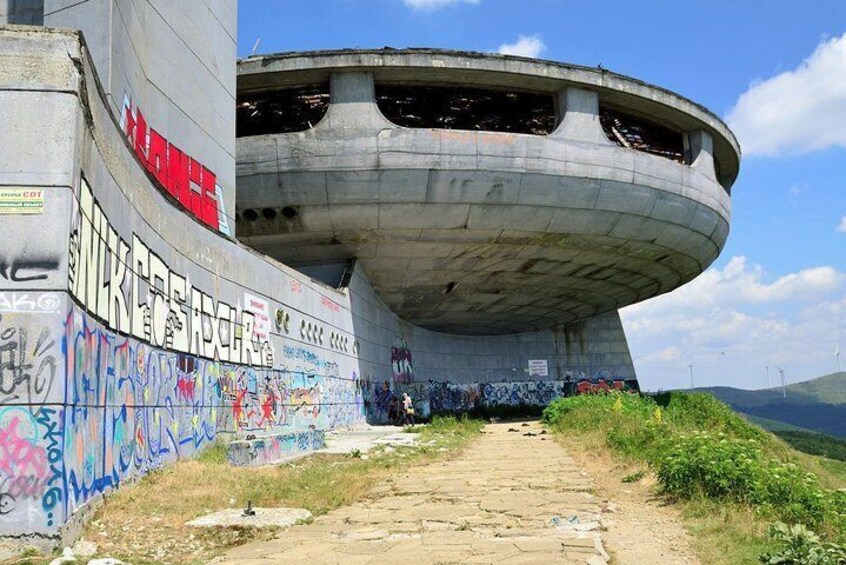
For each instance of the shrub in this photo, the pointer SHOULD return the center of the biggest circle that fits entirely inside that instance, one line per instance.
(797, 545)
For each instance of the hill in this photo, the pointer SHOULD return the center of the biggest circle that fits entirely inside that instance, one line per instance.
(817, 405)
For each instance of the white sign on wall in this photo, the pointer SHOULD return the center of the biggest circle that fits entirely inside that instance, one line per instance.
(261, 312)
(538, 368)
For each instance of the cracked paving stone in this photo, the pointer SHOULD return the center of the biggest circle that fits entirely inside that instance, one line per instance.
(487, 505)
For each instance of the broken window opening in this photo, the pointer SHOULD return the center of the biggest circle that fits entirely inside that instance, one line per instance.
(641, 134)
(281, 111)
(475, 109)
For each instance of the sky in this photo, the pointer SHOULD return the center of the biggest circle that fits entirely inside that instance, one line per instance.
(775, 70)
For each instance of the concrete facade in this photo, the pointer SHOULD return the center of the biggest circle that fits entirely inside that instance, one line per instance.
(482, 232)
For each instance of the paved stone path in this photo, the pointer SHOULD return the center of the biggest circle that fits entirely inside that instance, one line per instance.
(508, 498)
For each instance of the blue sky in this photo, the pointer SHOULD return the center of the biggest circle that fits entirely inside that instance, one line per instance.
(775, 69)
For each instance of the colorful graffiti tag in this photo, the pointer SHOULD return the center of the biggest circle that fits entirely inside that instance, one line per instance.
(401, 364)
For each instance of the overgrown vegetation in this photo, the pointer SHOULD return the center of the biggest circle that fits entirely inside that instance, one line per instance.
(145, 522)
(706, 455)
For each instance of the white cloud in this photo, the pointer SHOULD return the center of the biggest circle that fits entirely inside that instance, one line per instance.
(428, 5)
(797, 111)
(525, 46)
(799, 188)
(732, 322)
(842, 227)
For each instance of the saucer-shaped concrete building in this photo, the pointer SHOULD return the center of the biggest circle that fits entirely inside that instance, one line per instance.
(481, 194)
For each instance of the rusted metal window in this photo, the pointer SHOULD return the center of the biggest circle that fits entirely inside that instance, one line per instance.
(474, 109)
(280, 111)
(641, 134)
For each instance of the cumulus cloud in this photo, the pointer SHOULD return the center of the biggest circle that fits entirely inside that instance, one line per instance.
(842, 227)
(797, 111)
(428, 5)
(732, 322)
(525, 46)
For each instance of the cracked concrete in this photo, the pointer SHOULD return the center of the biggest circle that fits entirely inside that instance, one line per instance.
(508, 498)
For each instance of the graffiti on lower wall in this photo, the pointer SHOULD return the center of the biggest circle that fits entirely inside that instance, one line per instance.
(438, 396)
(274, 449)
(83, 409)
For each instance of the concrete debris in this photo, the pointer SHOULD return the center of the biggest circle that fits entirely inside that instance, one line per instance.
(263, 518)
(84, 548)
(67, 557)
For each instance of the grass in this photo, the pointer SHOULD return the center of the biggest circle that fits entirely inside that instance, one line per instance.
(145, 523)
(730, 478)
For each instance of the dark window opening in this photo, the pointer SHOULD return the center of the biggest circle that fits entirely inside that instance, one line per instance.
(444, 107)
(281, 111)
(641, 134)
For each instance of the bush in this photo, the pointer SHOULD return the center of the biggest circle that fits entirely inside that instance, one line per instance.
(796, 545)
(700, 448)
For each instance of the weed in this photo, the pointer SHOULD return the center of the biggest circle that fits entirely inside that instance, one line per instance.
(797, 545)
(634, 477)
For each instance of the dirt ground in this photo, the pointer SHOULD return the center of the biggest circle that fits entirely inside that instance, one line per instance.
(642, 528)
(513, 496)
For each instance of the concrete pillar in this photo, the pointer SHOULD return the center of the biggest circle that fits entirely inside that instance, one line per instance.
(702, 152)
(579, 109)
(22, 12)
(353, 103)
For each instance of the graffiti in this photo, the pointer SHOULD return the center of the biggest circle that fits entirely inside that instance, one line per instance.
(27, 270)
(133, 291)
(7, 503)
(27, 367)
(41, 303)
(401, 364)
(180, 175)
(601, 385)
(465, 397)
(274, 449)
(330, 304)
(22, 461)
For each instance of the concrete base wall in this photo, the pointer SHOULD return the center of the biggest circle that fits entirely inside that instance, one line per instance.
(131, 335)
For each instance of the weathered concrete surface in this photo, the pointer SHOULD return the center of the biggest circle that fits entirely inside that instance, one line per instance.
(263, 518)
(364, 437)
(480, 507)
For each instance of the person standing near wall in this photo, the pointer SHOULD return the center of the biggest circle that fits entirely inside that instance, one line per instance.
(407, 409)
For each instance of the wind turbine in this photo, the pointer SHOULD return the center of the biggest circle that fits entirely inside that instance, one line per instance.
(837, 355)
(783, 388)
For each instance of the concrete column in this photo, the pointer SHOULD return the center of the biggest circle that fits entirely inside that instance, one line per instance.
(580, 111)
(23, 12)
(353, 103)
(702, 152)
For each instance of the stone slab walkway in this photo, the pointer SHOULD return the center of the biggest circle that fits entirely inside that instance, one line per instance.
(509, 498)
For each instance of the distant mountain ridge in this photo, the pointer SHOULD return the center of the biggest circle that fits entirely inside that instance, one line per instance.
(818, 405)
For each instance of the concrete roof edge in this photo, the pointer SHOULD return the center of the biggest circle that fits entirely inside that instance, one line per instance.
(258, 64)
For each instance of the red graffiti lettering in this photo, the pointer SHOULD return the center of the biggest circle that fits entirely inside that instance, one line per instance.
(181, 176)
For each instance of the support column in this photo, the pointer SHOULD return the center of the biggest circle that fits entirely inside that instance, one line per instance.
(579, 109)
(353, 103)
(702, 152)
